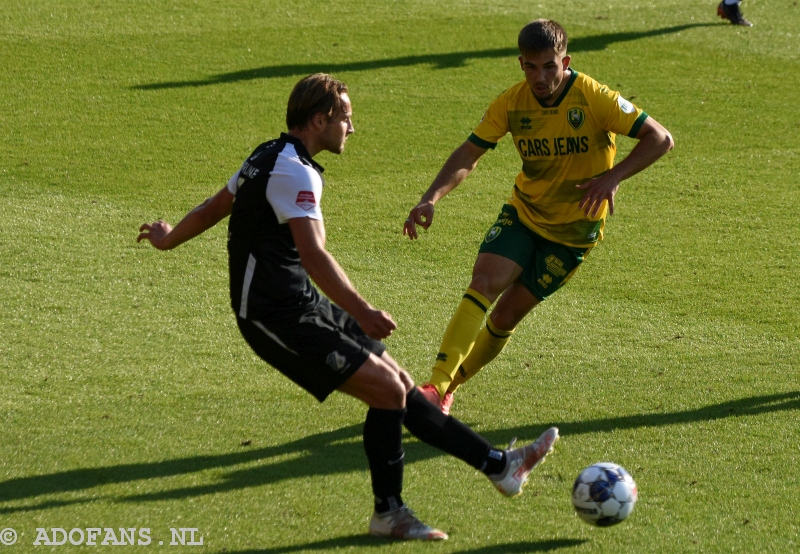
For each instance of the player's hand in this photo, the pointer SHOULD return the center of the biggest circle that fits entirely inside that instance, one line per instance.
(598, 190)
(155, 233)
(422, 215)
(376, 324)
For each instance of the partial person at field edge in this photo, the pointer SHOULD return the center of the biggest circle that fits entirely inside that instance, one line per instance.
(276, 241)
(729, 9)
(564, 125)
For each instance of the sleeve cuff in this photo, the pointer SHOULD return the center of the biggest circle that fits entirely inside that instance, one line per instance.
(478, 141)
(637, 125)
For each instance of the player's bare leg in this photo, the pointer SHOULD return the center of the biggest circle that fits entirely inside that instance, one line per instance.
(516, 303)
(493, 274)
(378, 384)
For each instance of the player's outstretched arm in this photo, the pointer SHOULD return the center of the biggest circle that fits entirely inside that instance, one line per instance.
(309, 236)
(460, 164)
(654, 142)
(204, 216)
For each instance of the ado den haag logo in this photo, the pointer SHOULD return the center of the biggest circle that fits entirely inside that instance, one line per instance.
(576, 117)
(492, 234)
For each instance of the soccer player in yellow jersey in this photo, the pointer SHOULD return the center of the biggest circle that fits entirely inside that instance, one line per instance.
(563, 124)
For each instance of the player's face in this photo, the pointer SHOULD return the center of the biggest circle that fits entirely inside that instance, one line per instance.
(545, 73)
(339, 127)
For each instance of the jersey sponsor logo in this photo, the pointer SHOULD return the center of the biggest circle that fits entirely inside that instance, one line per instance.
(493, 233)
(503, 219)
(625, 106)
(576, 117)
(558, 146)
(248, 170)
(536, 147)
(306, 200)
(564, 146)
(336, 361)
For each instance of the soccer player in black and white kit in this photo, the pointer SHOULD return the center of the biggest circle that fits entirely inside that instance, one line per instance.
(276, 241)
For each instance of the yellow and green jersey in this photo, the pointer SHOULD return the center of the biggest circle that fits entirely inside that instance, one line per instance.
(561, 146)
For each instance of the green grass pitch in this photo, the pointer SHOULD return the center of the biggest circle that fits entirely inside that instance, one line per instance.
(128, 399)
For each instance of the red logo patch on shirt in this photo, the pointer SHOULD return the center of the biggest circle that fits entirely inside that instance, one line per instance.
(305, 199)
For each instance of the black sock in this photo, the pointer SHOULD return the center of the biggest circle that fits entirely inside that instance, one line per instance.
(495, 462)
(427, 423)
(383, 433)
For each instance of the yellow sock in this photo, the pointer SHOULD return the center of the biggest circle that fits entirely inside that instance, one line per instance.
(488, 345)
(458, 338)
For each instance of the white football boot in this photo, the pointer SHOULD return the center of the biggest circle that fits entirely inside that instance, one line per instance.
(521, 461)
(401, 523)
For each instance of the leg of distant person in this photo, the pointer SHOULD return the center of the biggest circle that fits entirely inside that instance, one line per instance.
(729, 9)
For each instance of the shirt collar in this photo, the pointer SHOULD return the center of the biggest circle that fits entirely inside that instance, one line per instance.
(301, 151)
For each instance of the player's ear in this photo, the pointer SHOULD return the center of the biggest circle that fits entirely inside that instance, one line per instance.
(319, 121)
(565, 62)
(521, 62)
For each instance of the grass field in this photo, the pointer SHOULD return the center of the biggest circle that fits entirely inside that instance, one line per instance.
(128, 399)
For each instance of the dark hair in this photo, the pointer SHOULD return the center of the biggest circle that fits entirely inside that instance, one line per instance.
(318, 93)
(542, 34)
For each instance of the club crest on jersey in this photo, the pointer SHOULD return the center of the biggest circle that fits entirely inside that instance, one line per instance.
(306, 200)
(493, 233)
(576, 117)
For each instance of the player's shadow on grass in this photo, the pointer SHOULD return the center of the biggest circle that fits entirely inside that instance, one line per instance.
(755, 405)
(46, 505)
(439, 61)
(365, 541)
(326, 452)
(332, 452)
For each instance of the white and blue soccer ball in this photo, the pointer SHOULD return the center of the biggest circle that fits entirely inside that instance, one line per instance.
(604, 494)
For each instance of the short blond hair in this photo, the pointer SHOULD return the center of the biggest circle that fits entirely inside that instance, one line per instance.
(318, 93)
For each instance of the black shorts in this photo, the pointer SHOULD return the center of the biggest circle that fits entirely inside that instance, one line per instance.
(319, 349)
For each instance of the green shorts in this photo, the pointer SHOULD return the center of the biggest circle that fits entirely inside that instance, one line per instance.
(546, 265)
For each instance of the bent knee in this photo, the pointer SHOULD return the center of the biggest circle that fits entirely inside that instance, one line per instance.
(490, 286)
(392, 395)
(408, 382)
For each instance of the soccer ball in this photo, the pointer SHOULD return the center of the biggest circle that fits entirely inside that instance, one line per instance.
(604, 494)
